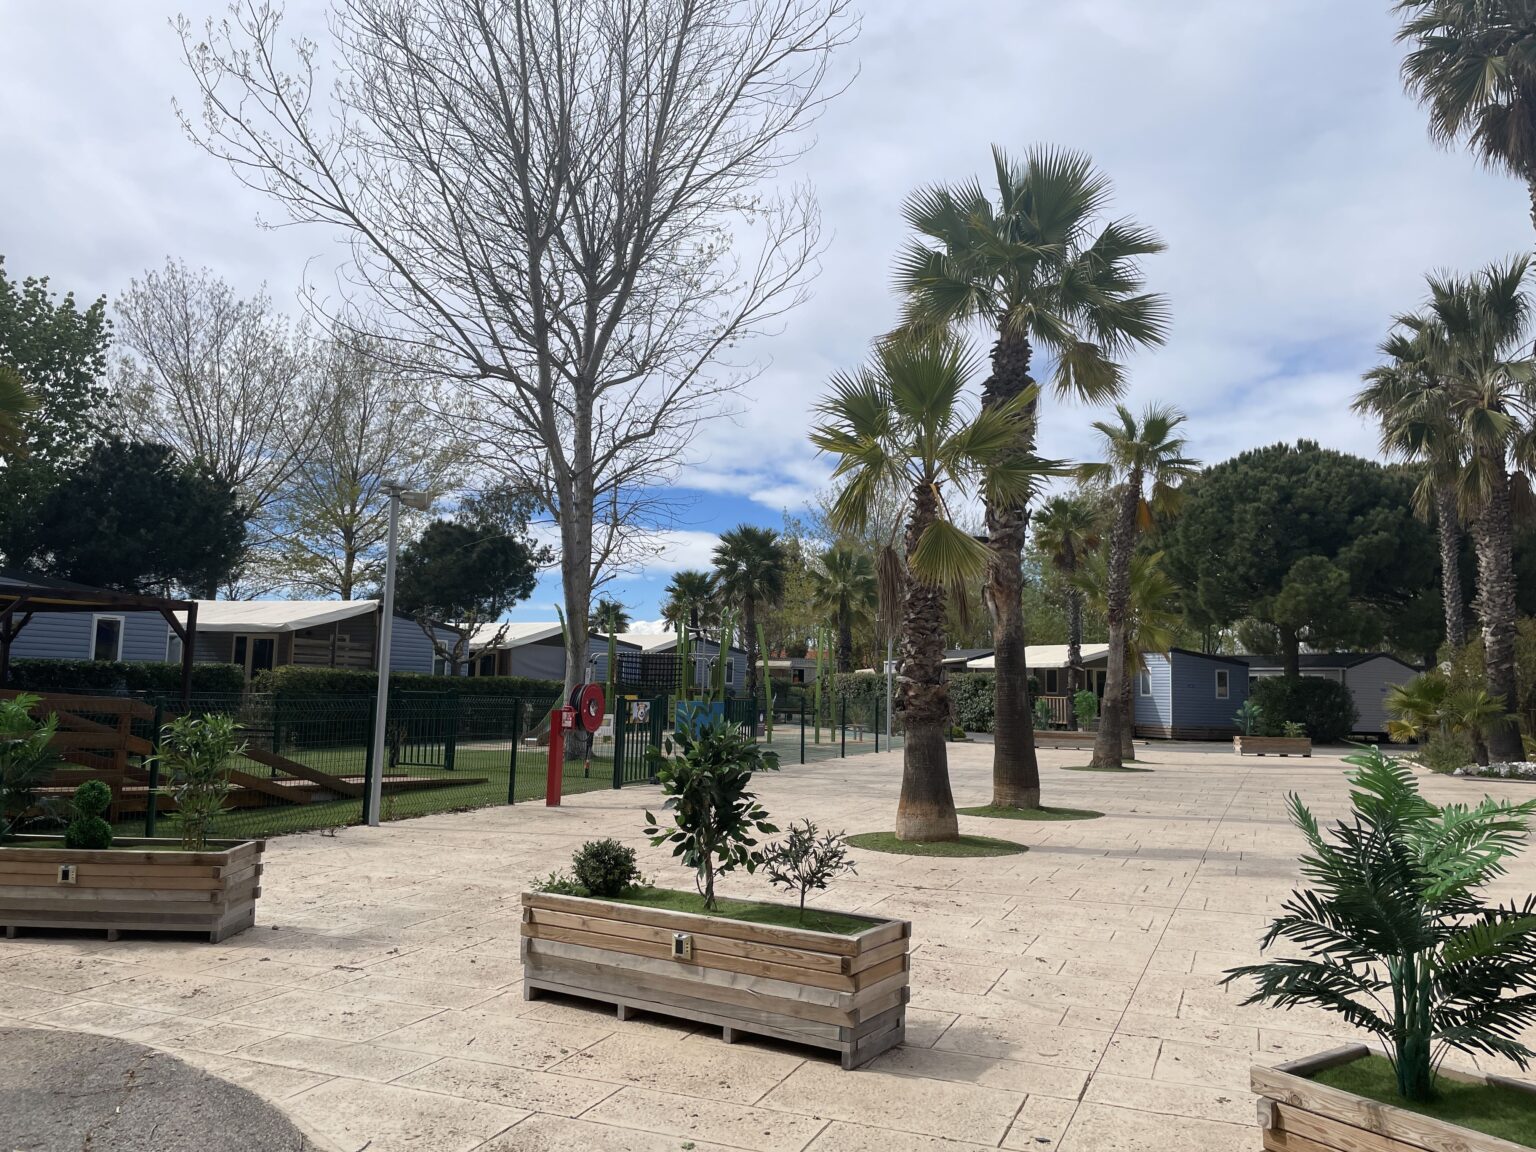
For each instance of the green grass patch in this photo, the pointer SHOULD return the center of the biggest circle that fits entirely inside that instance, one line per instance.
(1091, 768)
(172, 845)
(999, 812)
(964, 846)
(1492, 1109)
(778, 915)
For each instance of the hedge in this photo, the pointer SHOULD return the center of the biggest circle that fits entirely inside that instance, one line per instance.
(1325, 708)
(156, 678)
(293, 680)
(973, 700)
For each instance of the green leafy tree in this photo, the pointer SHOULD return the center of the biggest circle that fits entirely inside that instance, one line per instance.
(902, 422)
(716, 818)
(16, 402)
(134, 517)
(27, 758)
(749, 574)
(692, 602)
(195, 754)
(1472, 65)
(1067, 530)
(1143, 464)
(1244, 524)
(846, 593)
(1041, 268)
(1399, 940)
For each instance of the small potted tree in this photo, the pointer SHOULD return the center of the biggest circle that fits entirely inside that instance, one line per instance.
(809, 975)
(1256, 737)
(90, 878)
(1396, 938)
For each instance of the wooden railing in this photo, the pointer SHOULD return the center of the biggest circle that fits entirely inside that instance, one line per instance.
(1061, 708)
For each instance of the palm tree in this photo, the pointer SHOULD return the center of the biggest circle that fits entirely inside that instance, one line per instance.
(1067, 530)
(1039, 268)
(749, 573)
(1408, 398)
(1476, 331)
(1136, 456)
(691, 601)
(610, 617)
(844, 589)
(16, 400)
(901, 420)
(1473, 65)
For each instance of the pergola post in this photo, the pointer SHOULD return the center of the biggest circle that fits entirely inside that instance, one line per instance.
(188, 643)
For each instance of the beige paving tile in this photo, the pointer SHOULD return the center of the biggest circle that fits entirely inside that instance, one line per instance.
(693, 1118)
(104, 1019)
(178, 1032)
(924, 1026)
(21, 1002)
(334, 1014)
(493, 1038)
(383, 1118)
(1008, 1075)
(840, 1136)
(879, 1099)
(736, 1073)
(265, 971)
(1234, 1107)
(1024, 1040)
(61, 972)
(474, 969)
(558, 1134)
(1185, 1063)
(269, 1080)
(426, 993)
(931, 975)
(1101, 1128)
(334, 1058)
(511, 1087)
(197, 994)
(1126, 1055)
(1040, 1124)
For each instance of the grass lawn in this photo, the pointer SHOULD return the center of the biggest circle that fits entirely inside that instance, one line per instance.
(173, 844)
(1488, 1108)
(1091, 768)
(998, 812)
(964, 846)
(779, 915)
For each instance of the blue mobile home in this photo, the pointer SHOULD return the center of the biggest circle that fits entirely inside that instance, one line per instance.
(1184, 695)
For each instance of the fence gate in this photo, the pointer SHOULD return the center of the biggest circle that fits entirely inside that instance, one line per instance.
(638, 724)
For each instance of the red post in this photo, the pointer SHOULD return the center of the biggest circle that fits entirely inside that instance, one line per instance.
(561, 721)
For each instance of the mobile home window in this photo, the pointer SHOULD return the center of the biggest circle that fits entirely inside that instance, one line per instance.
(173, 649)
(730, 670)
(1144, 682)
(1222, 684)
(106, 637)
(1052, 682)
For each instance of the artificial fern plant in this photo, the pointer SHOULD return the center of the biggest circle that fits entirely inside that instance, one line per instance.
(1399, 940)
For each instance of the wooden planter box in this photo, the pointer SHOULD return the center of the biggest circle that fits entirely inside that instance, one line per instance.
(1272, 745)
(1300, 1115)
(147, 891)
(1061, 738)
(846, 993)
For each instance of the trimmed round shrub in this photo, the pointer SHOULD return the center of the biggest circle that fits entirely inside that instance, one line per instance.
(1324, 708)
(87, 829)
(605, 868)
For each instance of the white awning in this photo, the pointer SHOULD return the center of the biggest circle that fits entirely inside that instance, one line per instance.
(1044, 656)
(275, 615)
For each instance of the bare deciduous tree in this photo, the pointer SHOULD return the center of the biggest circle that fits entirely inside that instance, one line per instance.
(571, 199)
(371, 426)
(215, 377)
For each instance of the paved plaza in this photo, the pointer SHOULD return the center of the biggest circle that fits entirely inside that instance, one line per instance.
(1065, 1000)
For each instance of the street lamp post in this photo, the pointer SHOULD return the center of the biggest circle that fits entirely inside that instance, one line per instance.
(421, 501)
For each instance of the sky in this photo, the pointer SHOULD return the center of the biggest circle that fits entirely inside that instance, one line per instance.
(1271, 145)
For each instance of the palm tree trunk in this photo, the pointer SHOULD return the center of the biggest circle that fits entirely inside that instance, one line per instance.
(1128, 706)
(749, 627)
(1449, 527)
(1015, 768)
(1107, 748)
(1074, 640)
(1494, 536)
(844, 640)
(927, 807)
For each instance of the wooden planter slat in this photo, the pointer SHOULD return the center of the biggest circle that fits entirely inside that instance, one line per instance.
(211, 891)
(1272, 746)
(1301, 1115)
(848, 993)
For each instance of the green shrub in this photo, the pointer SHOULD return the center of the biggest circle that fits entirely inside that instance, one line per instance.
(26, 760)
(1085, 706)
(1323, 707)
(87, 829)
(1042, 716)
(151, 677)
(195, 752)
(806, 859)
(1249, 718)
(973, 699)
(605, 868)
(293, 680)
(1447, 751)
(559, 884)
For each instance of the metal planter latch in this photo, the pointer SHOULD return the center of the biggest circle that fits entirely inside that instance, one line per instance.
(682, 946)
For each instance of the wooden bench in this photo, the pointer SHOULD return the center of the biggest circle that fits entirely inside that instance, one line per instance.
(1057, 738)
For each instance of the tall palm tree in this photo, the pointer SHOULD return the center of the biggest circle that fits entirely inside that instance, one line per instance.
(1476, 331)
(749, 574)
(1473, 66)
(691, 601)
(902, 420)
(16, 400)
(1068, 530)
(1408, 399)
(1039, 268)
(1143, 463)
(844, 589)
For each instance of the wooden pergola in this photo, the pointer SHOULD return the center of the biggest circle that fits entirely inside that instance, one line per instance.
(23, 595)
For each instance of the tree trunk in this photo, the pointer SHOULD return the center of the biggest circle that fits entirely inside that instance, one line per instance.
(1449, 527)
(576, 580)
(1494, 536)
(844, 641)
(1108, 746)
(1128, 706)
(1015, 768)
(1290, 653)
(1074, 639)
(927, 807)
(749, 637)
